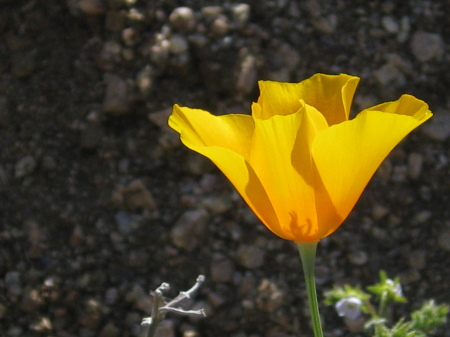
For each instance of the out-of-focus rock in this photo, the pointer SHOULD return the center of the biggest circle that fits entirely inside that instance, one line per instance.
(427, 46)
(117, 96)
(134, 196)
(250, 257)
(190, 229)
(438, 127)
(183, 19)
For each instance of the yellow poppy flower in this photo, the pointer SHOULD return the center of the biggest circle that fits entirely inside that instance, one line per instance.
(298, 161)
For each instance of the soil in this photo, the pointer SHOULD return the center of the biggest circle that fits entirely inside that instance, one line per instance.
(100, 203)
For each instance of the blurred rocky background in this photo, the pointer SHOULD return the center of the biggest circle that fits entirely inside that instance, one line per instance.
(99, 202)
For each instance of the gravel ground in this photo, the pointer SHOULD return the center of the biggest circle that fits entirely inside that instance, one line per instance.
(100, 202)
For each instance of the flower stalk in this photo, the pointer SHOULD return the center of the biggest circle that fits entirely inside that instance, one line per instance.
(307, 251)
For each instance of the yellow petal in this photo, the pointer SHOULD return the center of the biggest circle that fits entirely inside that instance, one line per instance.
(225, 141)
(281, 158)
(348, 154)
(200, 128)
(277, 98)
(332, 95)
(243, 177)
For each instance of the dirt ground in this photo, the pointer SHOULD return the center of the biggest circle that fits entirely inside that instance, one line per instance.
(100, 203)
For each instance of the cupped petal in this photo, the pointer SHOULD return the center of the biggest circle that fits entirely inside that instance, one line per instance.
(348, 154)
(332, 95)
(200, 128)
(225, 141)
(243, 177)
(276, 98)
(280, 156)
(406, 105)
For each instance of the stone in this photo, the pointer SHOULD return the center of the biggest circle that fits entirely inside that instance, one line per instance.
(126, 223)
(190, 229)
(134, 196)
(240, 14)
(248, 73)
(379, 211)
(160, 118)
(117, 96)
(110, 330)
(415, 163)
(250, 257)
(389, 24)
(222, 270)
(145, 81)
(92, 7)
(427, 46)
(269, 297)
(444, 240)
(4, 111)
(217, 204)
(211, 12)
(23, 63)
(389, 73)
(178, 44)
(165, 329)
(438, 127)
(183, 19)
(24, 166)
(220, 26)
(326, 24)
(91, 136)
(358, 258)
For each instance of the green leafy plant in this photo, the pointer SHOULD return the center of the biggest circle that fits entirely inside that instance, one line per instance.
(360, 314)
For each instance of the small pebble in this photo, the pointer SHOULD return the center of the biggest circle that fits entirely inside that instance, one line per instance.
(326, 25)
(427, 46)
(417, 259)
(4, 111)
(379, 211)
(92, 7)
(134, 196)
(220, 26)
(240, 14)
(390, 24)
(178, 44)
(160, 117)
(23, 63)
(117, 97)
(421, 217)
(222, 270)
(438, 127)
(389, 73)
(111, 296)
(269, 298)
(444, 240)
(24, 166)
(110, 330)
(217, 204)
(358, 258)
(91, 136)
(415, 162)
(190, 229)
(165, 329)
(182, 19)
(144, 80)
(250, 257)
(210, 13)
(126, 224)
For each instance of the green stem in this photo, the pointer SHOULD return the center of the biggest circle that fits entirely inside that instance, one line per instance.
(307, 252)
